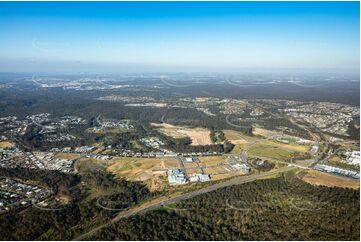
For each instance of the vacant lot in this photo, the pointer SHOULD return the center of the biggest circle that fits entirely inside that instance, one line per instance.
(264, 132)
(271, 151)
(237, 137)
(211, 160)
(276, 150)
(190, 165)
(149, 170)
(5, 144)
(216, 167)
(295, 147)
(199, 136)
(324, 179)
(69, 156)
(219, 173)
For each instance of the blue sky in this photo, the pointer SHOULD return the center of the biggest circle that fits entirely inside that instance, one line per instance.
(114, 36)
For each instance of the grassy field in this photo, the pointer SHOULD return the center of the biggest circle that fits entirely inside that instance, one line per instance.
(294, 147)
(211, 160)
(276, 150)
(237, 137)
(337, 161)
(270, 151)
(5, 144)
(324, 179)
(237, 149)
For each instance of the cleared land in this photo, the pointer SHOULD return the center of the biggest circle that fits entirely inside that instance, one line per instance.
(295, 147)
(237, 137)
(5, 144)
(270, 151)
(151, 171)
(264, 132)
(320, 178)
(211, 160)
(199, 136)
(237, 150)
(276, 150)
(337, 161)
(216, 167)
(69, 156)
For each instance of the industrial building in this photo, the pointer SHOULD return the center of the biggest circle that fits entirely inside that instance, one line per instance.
(238, 163)
(199, 178)
(353, 158)
(176, 177)
(336, 170)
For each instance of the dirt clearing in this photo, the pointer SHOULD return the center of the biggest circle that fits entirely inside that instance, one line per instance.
(324, 179)
(151, 171)
(199, 136)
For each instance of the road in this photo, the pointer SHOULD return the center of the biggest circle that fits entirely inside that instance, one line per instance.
(156, 203)
(235, 125)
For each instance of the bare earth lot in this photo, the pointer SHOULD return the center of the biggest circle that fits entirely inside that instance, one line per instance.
(235, 137)
(5, 144)
(264, 132)
(199, 136)
(324, 179)
(151, 171)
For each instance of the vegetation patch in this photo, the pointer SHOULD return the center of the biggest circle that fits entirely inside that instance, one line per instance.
(337, 161)
(280, 208)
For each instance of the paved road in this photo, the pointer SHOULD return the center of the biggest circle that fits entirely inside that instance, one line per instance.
(235, 125)
(234, 181)
(167, 200)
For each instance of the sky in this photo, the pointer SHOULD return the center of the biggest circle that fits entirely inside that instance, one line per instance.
(178, 36)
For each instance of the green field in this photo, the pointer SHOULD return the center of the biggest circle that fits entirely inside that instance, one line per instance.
(271, 151)
(237, 149)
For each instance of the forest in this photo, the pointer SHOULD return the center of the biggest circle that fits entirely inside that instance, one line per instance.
(281, 208)
(69, 220)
